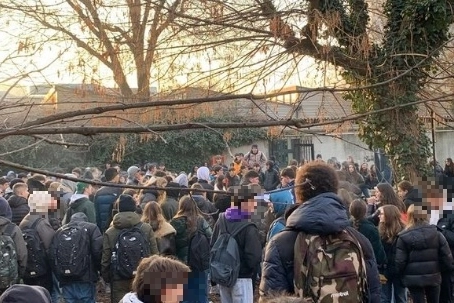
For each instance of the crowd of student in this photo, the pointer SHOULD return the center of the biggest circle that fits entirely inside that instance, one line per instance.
(65, 236)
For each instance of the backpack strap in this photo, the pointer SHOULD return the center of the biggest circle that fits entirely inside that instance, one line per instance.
(9, 229)
(236, 230)
(33, 226)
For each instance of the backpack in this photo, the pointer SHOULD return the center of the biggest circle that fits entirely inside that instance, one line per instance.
(225, 254)
(330, 268)
(130, 248)
(70, 251)
(37, 263)
(199, 250)
(9, 273)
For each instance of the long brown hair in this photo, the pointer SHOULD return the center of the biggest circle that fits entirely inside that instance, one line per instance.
(358, 210)
(152, 212)
(389, 197)
(187, 208)
(393, 224)
(161, 182)
(416, 216)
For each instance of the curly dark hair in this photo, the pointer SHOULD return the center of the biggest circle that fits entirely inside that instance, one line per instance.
(313, 179)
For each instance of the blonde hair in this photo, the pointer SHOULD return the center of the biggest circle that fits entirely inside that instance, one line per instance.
(161, 182)
(416, 217)
(152, 212)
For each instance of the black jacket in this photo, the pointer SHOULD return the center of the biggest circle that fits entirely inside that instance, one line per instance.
(271, 180)
(206, 208)
(249, 246)
(413, 196)
(322, 215)
(370, 231)
(421, 254)
(19, 208)
(208, 186)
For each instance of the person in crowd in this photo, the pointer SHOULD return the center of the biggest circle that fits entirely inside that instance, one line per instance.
(81, 288)
(222, 202)
(249, 247)
(364, 170)
(8, 228)
(19, 202)
(279, 203)
(422, 253)
(372, 179)
(67, 188)
(346, 199)
(158, 279)
(255, 156)
(232, 178)
(217, 171)
(9, 191)
(187, 222)
(193, 172)
(358, 210)
(182, 180)
(206, 207)
(170, 205)
(134, 177)
(80, 202)
(319, 213)
(219, 160)
(37, 183)
(258, 169)
(125, 219)
(105, 197)
(163, 231)
(41, 204)
(449, 168)
(438, 194)
(219, 184)
(355, 178)
(4, 185)
(203, 178)
(408, 193)
(238, 162)
(385, 195)
(251, 177)
(288, 180)
(272, 179)
(21, 293)
(390, 226)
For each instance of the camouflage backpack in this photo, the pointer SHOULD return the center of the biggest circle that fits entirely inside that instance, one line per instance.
(330, 268)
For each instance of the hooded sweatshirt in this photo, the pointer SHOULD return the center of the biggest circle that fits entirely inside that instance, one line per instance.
(21, 293)
(280, 200)
(80, 203)
(203, 178)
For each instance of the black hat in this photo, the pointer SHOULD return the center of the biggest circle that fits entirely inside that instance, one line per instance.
(21, 293)
(126, 203)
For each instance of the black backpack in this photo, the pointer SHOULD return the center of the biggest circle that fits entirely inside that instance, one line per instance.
(37, 262)
(70, 251)
(131, 247)
(199, 250)
(9, 273)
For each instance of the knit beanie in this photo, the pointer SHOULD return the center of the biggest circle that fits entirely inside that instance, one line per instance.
(21, 293)
(126, 203)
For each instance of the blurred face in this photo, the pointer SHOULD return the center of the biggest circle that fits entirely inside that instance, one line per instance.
(436, 199)
(401, 193)
(351, 168)
(24, 193)
(364, 166)
(172, 294)
(254, 180)
(249, 206)
(350, 159)
(232, 173)
(255, 150)
(257, 168)
(218, 160)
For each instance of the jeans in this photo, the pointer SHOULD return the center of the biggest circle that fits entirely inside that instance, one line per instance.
(240, 292)
(419, 294)
(56, 291)
(79, 292)
(393, 292)
(196, 290)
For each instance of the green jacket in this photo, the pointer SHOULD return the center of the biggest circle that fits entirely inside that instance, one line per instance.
(122, 221)
(81, 205)
(183, 236)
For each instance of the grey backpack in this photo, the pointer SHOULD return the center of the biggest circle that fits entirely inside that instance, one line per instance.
(9, 274)
(225, 255)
